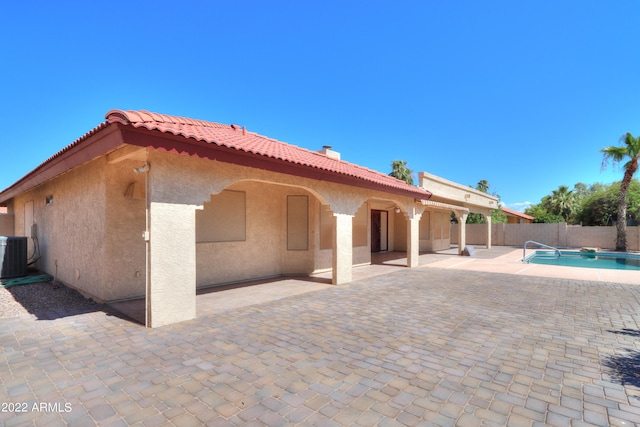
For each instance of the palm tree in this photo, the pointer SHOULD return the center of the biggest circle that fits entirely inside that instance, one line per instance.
(483, 185)
(630, 149)
(400, 170)
(561, 202)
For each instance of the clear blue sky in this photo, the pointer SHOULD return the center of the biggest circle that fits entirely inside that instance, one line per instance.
(520, 93)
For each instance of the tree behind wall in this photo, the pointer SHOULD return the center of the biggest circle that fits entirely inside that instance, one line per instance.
(561, 202)
(600, 208)
(541, 215)
(631, 150)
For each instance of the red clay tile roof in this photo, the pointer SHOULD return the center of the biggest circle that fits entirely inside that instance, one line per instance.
(237, 138)
(516, 213)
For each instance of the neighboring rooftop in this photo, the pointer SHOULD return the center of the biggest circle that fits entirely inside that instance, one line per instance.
(516, 213)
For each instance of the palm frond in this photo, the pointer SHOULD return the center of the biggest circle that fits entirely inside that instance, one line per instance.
(613, 154)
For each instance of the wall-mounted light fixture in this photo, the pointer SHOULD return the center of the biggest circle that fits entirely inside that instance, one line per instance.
(142, 169)
(397, 209)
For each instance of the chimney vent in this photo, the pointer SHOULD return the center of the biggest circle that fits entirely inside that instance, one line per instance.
(328, 151)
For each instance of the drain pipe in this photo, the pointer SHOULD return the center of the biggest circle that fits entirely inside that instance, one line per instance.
(147, 240)
(147, 243)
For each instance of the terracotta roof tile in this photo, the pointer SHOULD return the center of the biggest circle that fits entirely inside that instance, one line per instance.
(516, 213)
(238, 138)
(235, 138)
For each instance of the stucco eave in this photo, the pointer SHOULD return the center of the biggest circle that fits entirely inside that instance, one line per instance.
(451, 192)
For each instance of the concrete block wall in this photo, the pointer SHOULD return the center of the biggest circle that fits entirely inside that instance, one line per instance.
(603, 237)
(560, 235)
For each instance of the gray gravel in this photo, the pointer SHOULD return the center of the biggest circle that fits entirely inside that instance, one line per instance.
(43, 300)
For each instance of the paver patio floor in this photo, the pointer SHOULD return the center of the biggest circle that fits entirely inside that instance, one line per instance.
(424, 346)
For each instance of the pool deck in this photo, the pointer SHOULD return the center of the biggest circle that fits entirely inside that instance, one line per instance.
(508, 260)
(483, 341)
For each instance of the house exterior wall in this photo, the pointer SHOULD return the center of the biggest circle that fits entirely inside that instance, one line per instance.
(125, 221)
(7, 224)
(183, 184)
(361, 250)
(557, 234)
(400, 231)
(264, 251)
(435, 230)
(204, 178)
(69, 217)
(89, 234)
(113, 234)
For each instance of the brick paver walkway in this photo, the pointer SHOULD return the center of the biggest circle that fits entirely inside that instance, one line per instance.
(415, 347)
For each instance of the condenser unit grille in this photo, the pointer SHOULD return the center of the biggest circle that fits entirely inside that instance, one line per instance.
(13, 256)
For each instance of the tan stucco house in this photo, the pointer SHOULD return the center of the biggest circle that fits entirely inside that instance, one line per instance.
(157, 206)
(515, 217)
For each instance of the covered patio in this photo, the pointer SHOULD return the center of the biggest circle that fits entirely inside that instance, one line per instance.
(218, 299)
(157, 206)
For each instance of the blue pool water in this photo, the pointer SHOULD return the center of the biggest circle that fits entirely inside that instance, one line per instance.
(608, 260)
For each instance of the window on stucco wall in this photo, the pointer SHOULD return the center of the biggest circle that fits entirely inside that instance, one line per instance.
(297, 223)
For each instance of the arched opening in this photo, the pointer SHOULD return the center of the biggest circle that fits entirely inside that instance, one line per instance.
(256, 230)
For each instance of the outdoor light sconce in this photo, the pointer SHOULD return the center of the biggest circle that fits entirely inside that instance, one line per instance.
(142, 169)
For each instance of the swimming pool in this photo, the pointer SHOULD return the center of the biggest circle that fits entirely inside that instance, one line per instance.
(607, 260)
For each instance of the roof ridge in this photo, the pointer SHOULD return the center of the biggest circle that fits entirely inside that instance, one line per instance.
(144, 116)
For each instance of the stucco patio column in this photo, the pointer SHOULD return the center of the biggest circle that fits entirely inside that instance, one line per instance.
(171, 281)
(462, 231)
(413, 239)
(342, 249)
(488, 217)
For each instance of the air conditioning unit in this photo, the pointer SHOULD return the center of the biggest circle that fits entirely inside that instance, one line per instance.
(13, 256)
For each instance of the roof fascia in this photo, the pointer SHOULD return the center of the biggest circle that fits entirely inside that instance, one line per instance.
(456, 185)
(191, 147)
(74, 155)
